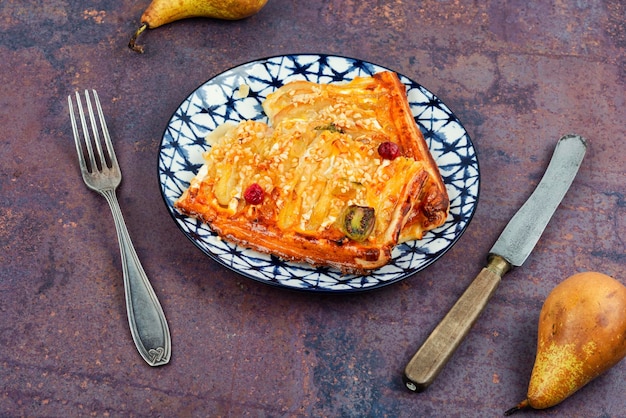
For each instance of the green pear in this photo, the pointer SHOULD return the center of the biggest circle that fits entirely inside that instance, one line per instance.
(161, 12)
(582, 334)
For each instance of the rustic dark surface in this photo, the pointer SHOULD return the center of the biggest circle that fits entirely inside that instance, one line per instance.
(517, 75)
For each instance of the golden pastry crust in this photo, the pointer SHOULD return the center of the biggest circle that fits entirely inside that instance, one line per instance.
(317, 157)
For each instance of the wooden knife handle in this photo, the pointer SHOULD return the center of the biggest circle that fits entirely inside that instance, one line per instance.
(429, 360)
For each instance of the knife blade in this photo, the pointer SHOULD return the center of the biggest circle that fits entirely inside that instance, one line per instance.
(512, 248)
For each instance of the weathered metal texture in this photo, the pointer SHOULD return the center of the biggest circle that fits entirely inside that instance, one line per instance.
(519, 75)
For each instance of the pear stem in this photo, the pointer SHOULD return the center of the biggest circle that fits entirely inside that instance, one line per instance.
(132, 43)
(522, 405)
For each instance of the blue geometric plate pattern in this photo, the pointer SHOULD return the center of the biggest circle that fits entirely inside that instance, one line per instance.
(220, 100)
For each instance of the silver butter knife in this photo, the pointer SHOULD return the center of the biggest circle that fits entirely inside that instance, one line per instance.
(511, 249)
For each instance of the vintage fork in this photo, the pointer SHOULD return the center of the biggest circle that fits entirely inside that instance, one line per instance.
(101, 173)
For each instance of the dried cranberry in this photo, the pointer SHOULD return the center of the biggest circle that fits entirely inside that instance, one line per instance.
(254, 194)
(389, 150)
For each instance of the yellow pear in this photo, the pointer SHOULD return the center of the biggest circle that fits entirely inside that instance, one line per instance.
(161, 12)
(582, 333)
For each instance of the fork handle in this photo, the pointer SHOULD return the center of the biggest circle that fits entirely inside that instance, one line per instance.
(148, 325)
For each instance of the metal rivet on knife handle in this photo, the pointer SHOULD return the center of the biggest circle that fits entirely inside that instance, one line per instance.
(511, 249)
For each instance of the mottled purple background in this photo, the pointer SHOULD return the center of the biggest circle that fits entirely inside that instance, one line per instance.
(518, 76)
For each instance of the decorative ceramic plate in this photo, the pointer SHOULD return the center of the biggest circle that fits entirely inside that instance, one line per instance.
(220, 100)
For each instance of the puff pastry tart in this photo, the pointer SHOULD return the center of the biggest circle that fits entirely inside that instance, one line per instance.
(339, 176)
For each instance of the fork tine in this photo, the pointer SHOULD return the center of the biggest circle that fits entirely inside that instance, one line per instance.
(100, 157)
(105, 131)
(77, 142)
(92, 159)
